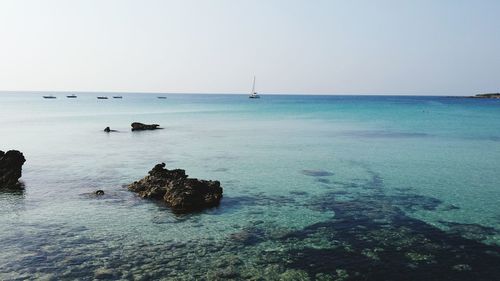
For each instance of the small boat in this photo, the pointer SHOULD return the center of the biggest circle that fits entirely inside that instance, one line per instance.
(254, 94)
(162, 98)
(49, 97)
(102, 98)
(117, 97)
(72, 96)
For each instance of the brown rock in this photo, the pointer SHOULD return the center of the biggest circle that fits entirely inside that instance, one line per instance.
(177, 190)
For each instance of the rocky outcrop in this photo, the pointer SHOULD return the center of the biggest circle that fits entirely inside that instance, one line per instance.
(136, 126)
(487, 96)
(177, 190)
(11, 163)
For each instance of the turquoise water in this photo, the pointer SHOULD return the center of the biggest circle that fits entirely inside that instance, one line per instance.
(315, 188)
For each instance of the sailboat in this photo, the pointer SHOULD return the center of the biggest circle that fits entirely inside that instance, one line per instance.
(254, 94)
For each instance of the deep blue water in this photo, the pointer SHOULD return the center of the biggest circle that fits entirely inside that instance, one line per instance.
(315, 188)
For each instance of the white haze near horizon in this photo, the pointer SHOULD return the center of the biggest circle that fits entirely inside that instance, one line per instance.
(449, 47)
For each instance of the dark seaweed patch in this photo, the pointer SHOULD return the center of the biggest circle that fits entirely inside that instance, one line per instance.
(383, 134)
(450, 207)
(322, 180)
(248, 236)
(299, 193)
(375, 240)
(471, 230)
(221, 170)
(231, 203)
(405, 249)
(316, 173)
(415, 202)
(494, 138)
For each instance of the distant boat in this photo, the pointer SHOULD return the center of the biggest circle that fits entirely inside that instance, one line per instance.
(72, 96)
(49, 97)
(253, 94)
(102, 98)
(162, 98)
(117, 97)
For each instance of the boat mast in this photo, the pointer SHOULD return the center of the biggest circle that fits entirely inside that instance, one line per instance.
(253, 87)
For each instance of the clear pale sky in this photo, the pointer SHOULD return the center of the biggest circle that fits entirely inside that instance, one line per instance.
(309, 46)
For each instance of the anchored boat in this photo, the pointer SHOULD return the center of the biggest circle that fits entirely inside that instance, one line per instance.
(254, 94)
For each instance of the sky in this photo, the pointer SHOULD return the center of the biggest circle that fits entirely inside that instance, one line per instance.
(420, 47)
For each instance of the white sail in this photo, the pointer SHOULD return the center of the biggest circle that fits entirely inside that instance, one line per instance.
(253, 94)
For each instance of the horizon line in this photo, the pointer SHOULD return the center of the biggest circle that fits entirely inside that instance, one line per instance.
(234, 93)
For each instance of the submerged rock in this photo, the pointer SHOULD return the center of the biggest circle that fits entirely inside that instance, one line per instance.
(136, 126)
(177, 190)
(11, 163)
(104, 273)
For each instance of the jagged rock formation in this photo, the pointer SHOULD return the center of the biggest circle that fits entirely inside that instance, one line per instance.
(11, 163)
(177, 190)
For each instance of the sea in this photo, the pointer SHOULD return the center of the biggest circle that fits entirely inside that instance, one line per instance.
(315, 187)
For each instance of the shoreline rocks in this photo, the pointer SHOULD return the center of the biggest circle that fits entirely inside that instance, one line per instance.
(11, 163)
(136, 126)
(179, 192)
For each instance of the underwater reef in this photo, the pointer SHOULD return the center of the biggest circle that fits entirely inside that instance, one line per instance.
(371, 235)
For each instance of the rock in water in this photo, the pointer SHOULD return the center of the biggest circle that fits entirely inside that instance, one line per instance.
(177, 190)
(108, 130)
(136, 126)
(11, 163)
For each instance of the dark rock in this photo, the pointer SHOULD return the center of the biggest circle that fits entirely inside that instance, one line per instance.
(136, 126)
(108, 130)
(99, 192)
(177, 190)
(11, 163)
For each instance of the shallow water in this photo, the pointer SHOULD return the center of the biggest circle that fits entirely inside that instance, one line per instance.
(315, 187)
